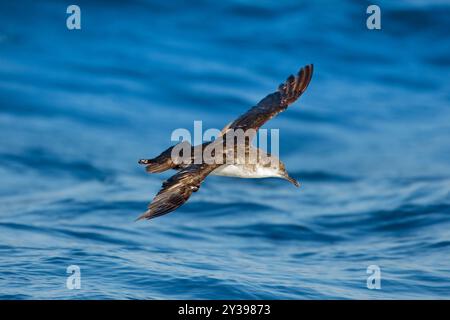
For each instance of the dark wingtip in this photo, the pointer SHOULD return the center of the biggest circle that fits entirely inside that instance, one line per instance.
(308, 73)
(293, 88)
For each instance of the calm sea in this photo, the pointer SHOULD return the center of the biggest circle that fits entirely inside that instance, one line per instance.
(369, 141)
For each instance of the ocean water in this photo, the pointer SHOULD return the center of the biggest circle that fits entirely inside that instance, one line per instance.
(369, 141)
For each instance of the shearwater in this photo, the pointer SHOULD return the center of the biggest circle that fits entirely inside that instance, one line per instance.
(194, 166)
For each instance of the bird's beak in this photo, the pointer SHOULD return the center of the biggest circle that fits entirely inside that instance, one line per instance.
(291, 180)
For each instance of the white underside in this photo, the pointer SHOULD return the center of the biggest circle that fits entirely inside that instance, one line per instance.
(241, 171)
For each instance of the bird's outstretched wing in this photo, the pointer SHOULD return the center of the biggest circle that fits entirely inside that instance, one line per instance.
(275, 102)
(177, 190)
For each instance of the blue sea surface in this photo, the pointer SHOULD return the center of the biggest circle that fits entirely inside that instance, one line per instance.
(369, 141)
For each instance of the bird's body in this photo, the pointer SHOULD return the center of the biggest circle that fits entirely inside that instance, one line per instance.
(265, 166)
(242, 159)
(251, 171)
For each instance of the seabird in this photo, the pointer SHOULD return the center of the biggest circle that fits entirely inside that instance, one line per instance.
(178, 188)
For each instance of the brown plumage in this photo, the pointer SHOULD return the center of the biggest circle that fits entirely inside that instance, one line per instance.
(177, 189)
(275, 102)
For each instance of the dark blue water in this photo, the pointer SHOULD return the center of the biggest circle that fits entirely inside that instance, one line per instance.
(369, 142)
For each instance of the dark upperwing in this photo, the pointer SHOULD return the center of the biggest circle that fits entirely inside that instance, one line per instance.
(275, 102)
(177, 190)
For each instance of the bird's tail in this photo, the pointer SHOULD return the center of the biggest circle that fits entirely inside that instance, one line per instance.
(161, 163)
(295, 86)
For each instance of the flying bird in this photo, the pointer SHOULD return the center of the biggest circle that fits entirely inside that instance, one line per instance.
(177, 189)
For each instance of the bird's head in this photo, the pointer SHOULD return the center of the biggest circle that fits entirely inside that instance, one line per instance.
(282, 173)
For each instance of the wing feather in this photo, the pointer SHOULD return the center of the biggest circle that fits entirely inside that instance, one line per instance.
(276, 102)
(177, 190)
